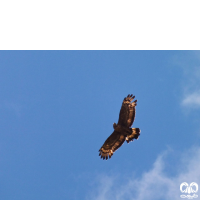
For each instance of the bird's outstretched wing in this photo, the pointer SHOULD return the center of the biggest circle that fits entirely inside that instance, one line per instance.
(127, 112)
(113, 142)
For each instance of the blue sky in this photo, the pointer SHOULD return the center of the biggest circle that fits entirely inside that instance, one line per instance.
(57, 109)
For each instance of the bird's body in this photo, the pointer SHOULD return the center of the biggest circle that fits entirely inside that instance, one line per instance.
(122, 130)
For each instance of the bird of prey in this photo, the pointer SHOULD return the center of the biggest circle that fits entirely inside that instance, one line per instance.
(122, 130)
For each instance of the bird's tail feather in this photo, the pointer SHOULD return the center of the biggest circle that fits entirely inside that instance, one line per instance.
(134, 135)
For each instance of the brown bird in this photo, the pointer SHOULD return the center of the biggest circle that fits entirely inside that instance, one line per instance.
(122, 130)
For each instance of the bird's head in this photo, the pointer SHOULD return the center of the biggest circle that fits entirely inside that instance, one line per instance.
(114, 125)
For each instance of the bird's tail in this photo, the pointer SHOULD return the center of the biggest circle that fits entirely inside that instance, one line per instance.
(134, 135)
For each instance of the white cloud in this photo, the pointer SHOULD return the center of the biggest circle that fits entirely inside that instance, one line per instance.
(192, 100)
(190, 65)
(154, 184)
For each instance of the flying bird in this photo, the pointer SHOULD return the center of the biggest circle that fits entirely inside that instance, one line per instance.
(122, 130)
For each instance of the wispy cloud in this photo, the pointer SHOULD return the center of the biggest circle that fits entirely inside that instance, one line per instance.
(153, 184)
(192, 100)
(190, 66)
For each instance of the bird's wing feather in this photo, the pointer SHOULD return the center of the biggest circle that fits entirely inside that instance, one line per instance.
(127, 112)
(113, 142)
